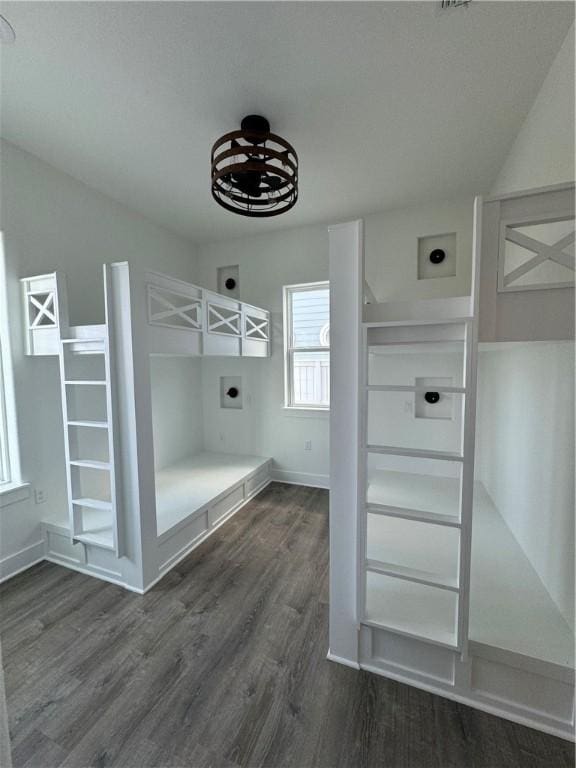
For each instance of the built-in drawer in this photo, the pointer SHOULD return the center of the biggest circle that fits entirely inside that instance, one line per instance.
(225, 505)
(255, 482)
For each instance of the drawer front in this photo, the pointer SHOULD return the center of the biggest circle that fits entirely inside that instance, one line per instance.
(255, 482)
(225, 505)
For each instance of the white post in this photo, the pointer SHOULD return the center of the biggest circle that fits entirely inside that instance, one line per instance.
(346, 292)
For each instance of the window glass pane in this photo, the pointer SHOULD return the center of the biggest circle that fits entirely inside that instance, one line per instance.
(310, 318)
(4, 466)
(311, 378)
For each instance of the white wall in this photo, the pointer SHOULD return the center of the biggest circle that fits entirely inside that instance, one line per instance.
(268, 262)
(543, 151)
(52, 221)
(525, 459)
(176, 384)
(264, 427)
(391, 248)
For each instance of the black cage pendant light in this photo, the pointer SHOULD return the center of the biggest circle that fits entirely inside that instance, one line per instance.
(254, 172)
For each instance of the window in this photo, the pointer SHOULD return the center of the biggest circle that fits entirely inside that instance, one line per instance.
(10, 480)
(307, 345)
(4, 458)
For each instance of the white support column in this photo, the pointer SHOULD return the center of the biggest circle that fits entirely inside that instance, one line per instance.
(346, 300)
(127, 311)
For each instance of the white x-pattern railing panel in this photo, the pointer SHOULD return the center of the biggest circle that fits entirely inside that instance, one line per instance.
(171, 309)
(223, 320)
(256, 328)
(559, 253)
(41, 310)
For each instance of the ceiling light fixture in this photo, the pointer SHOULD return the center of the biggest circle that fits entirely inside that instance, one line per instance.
(254, 172)
(455, 3)
(7, 34)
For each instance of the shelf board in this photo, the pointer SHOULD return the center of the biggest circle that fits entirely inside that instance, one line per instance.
(412, 574)
(93, 504)
(457, 309)
(86, 383)
(413, 514)
(412, 609)
(452, 646)
(416, 321)
(90, 464)
(104, 538)
(410, 492)
(409, 388)
(93, 424)
(416, 453)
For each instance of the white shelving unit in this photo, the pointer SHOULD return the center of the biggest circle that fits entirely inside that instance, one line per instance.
(94, 520)
(429, 585)
(416, 521)
(127, 523)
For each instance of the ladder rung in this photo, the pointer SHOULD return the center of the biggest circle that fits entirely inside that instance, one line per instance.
(419, 388)
(413, 514)
(86, 383)
(90, 340)
(90, 464)
(412, 574)
(417, 322)
(414, 452)
(102, 539)
(95, 424)
(93, 504)
(377, 624)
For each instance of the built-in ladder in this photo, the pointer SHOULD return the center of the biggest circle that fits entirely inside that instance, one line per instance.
(88, 413)
(416, 474)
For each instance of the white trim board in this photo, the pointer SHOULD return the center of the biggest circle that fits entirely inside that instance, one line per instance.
(561, 187)
(476, 702)
(300, 478)
(340, 660)
(22, 560)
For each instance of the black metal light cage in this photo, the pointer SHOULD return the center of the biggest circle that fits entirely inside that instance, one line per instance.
(267, 162)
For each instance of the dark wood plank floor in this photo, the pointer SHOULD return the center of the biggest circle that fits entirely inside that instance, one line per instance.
(223, 664)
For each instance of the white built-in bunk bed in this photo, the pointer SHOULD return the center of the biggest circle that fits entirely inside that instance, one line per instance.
(448, 577)
(130, 517)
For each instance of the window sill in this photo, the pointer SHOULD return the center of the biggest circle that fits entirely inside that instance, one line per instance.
(11, 493)
(302, 412)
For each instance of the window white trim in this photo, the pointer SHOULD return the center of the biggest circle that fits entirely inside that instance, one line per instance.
(289, 405)
(10, 477)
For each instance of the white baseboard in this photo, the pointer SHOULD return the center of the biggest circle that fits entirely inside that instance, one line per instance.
(21, 561)
(341, 660)
(300, 478)
(498, 708)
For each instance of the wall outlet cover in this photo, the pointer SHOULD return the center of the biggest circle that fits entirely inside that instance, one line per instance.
(431, 264)
(228, 281)
(441, 408)
(231, 395)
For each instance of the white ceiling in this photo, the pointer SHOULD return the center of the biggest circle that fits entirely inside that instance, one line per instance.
(386, 103)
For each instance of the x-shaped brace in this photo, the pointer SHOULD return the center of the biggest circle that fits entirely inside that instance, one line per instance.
(256, 328)
(173, 311)
(223, 322)
(44, 310)
(543, 253)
